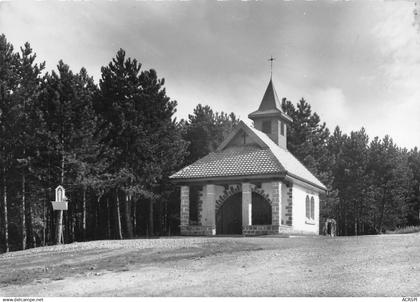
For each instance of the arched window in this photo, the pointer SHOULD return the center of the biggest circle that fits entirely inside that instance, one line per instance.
(312, 208)
(308, 208)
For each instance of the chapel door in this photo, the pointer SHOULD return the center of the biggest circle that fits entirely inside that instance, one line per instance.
(229, 216)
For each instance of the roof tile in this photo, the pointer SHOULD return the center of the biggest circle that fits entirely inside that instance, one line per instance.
(233, 161)
(249, 160)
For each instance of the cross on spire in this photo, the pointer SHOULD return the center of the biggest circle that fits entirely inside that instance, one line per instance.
(271, 59)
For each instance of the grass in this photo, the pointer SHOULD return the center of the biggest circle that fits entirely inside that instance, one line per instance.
(405, 230)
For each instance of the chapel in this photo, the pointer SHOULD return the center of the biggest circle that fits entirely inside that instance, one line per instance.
(251, 185)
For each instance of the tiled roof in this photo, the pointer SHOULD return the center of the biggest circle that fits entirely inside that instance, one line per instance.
(290, 163)
(233, 161)
(267, 158)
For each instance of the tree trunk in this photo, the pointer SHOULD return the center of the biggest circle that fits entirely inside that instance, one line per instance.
(23, 213)
(355, 218)
(355, 226)
(127, 211)
(72, 223)
(6, 223)
(108, 219)
(134, 203)
(84, 214)
(97, 217)
(166, 218)
(29, 229)
(46, 210)
(159, 218)
(151, 231)
(44, 219)
(381, 217)
(117, 206)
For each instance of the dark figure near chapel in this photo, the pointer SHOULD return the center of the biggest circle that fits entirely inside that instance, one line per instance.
(330, 227)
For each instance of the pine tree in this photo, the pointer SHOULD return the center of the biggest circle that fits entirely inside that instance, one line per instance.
(9, 83)
(206, 130)
(139, 128)
(390, 182)
(413, 217)
(66, 102)
(26, 138)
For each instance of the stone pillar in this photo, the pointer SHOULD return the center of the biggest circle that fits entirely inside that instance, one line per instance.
(289, 207)
(276, 204)
(185, 206)
(209, 208)
(246, 204)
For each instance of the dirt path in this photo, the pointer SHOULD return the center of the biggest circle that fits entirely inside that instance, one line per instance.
(386, 265)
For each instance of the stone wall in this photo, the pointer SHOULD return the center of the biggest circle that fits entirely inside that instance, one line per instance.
(276, 203)
(289, 206)
(197, 230)
(185, 205)
(257, 230)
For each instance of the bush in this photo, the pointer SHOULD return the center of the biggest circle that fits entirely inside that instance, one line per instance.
(405, 230)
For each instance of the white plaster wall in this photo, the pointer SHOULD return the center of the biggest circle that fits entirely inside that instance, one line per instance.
(299, 221)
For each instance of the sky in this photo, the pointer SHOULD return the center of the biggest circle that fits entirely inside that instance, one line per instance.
(356, 62)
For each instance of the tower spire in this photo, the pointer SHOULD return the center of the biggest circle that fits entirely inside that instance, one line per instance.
(270, 118)
(271, 59)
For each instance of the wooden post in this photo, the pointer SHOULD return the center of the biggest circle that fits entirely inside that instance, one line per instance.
(59, 234)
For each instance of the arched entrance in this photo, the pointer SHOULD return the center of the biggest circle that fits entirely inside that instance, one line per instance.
(261, 210)
(229, 215)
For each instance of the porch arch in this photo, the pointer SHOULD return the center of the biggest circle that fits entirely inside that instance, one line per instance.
(229, 210)
(238, 189)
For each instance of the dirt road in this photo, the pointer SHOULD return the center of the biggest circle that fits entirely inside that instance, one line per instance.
(387, 265)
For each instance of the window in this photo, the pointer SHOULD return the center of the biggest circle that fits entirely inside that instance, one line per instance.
(312, 208)
(308, 208)
(266, 127)
(282, 128)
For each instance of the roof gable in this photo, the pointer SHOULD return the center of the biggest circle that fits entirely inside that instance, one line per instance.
(251, 137)
(260, 156)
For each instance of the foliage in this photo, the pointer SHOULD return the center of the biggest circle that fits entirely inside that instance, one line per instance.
(114, 145)
(205, 130)
(405, 230)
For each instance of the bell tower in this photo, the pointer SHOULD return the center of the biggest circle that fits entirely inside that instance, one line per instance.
(270, 118)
